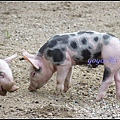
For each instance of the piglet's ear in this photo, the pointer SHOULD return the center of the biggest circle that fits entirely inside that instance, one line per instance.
(34, 62)
(30, 58)
(9, 59)
(25, 53)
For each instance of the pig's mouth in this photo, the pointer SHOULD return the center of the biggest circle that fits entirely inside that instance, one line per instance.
(3, 92)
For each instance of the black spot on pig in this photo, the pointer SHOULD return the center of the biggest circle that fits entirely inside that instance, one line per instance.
(63, 49)
(89, 47)
(86, 54)
(52, 43)
(73, 44)
(57, 55)
(106, 39)
(97, 55)
(62, 38)
(84, 41)
(106, 36)
(79, 61)
(106, 74)
(50, 53)
(95, 39)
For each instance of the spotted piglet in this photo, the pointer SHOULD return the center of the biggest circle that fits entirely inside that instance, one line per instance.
(63, 51)
(6, 78)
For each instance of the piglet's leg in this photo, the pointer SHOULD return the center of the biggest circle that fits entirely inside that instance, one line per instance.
(108, 77)
(117, 83)
(68, 80)
(62, 72)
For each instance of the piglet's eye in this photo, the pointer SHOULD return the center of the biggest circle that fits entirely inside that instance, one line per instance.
(2, 74)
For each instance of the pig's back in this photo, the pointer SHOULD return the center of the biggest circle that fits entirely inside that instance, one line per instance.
(81, 46)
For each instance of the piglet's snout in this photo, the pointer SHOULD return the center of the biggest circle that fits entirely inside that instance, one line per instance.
(14, 88)
(11, 87)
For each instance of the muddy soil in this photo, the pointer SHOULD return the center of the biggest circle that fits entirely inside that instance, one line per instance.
(27, 26)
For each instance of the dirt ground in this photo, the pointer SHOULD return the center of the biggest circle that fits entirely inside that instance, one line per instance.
(27, 26)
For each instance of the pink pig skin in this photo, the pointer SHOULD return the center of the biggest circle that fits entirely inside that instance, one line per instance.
(6, 78)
